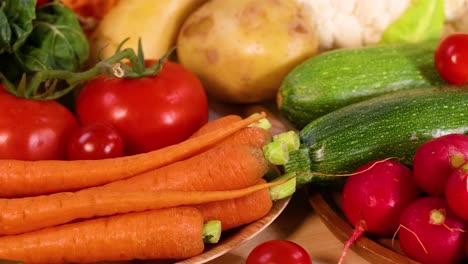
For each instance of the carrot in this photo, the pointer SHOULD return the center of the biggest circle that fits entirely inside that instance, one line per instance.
(253, 136)
(172, 233)
(21, 215)
(20, 178)
(236, 212)
(220, 168)
(217, 124)
(279, 124)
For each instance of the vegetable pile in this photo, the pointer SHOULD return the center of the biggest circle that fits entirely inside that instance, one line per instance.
(105, 134)
(425, 205)
(404, 154)
(102, 148)
(185, 195)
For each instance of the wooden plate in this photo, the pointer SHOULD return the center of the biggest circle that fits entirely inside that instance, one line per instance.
(239, 236)
(233, 238)
(326, 204)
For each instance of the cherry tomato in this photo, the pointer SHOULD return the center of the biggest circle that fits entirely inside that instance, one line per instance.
(149, 113)
(33, 130)
(94, 141)
(451, 58)
(278, 252)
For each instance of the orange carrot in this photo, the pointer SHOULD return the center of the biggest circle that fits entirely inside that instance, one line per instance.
(254, 136)
(172, 233)
(238, 211)
(27, 178)
(279, 124)
(219, 168)
(217, 124)
(20, 215)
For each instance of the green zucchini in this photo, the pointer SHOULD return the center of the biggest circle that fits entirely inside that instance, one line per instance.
(387, 126)
(340, 77)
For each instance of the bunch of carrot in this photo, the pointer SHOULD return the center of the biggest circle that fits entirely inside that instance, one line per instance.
(155, 205)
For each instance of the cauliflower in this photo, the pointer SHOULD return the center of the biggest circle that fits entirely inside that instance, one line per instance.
(456, 13)
(355, 23)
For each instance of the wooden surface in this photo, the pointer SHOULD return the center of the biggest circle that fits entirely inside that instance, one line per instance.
(298, 223)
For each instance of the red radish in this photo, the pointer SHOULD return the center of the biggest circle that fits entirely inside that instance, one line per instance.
(456, 192)
(373, 198)
(431, 233)
(436, 159)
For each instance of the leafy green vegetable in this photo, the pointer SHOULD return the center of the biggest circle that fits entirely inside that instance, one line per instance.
(15, 23)
(423, 20)
(31, 40)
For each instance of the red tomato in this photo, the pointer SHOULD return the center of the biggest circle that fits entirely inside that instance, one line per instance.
(278, 252)
(451, 58)
(94, 141)
(149, 113)
(33, 130)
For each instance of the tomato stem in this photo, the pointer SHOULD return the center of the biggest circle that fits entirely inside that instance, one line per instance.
(43, 85)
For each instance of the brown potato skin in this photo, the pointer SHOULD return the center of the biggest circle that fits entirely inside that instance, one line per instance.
(242, 49)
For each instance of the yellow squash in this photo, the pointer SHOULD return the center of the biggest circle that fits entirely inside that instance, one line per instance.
(156, 22)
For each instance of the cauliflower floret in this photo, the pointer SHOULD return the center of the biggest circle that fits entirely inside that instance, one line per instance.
(355, 23)
(352, 23)
(456, 13)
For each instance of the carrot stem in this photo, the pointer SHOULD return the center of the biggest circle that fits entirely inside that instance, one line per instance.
(276, 152)
(283, 190)
(291, 138)
(262, 123)
(212, 231)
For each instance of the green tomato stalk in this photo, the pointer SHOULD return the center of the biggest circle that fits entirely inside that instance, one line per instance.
(43, 85)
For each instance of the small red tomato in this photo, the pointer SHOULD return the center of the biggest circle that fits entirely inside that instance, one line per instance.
(278, 252)
(94, 141)
(451, 58)
(149, 113)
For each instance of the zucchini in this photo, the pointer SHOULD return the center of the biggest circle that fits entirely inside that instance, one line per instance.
(392, 125)
(341, 77)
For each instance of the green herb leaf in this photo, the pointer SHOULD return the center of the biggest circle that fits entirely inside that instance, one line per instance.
(47, 38)
(16, 18)
(57, 41)
(423, 20)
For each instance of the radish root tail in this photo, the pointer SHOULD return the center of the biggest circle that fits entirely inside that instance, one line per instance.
(346, 174)
(416, 236)
(453, 229)
(359, 230)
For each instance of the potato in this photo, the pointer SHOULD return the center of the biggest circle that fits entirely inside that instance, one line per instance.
(242, 49)
(156, 22)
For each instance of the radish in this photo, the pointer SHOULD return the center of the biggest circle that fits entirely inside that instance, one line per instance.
(456, 192)
(431, 233)
(374, 196)
(436, 159)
